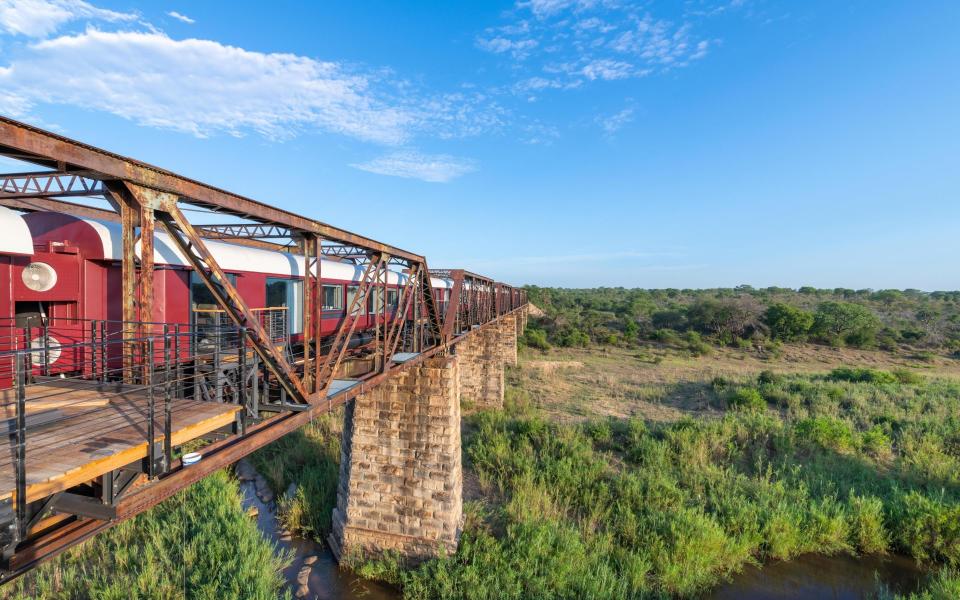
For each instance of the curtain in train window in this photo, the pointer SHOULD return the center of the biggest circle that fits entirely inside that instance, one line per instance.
(287, 293)
(332, 297)
(375, 301)
(351, 294)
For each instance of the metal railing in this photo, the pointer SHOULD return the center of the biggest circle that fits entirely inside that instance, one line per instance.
(147, 376)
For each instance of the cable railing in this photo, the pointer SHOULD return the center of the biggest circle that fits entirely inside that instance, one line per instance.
(72, 380)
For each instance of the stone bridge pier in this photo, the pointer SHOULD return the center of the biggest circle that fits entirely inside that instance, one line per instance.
(401, 472)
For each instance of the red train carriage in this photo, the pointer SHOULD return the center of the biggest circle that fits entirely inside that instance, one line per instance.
(73, 279)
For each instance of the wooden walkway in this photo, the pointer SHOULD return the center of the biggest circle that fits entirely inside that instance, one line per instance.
(77, 431)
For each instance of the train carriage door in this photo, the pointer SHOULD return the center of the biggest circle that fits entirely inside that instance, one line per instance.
(288, 294)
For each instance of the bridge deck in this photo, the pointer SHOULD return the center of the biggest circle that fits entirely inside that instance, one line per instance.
(75, 435)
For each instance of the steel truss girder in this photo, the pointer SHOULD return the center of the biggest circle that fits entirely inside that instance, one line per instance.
(24, 142)
(49, 184)
(342, 339)
(226, 295)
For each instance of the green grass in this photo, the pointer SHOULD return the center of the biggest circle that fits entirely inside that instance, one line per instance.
(310, 458)
(199, 545)
(622, 508)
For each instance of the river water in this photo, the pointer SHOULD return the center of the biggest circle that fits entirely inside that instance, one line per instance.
(839, 577)
(810, 576)
(323, 578)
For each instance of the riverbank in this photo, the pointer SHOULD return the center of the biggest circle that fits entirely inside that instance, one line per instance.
(198, 544)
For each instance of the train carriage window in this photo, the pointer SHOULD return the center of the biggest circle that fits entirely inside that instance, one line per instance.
(351, 294)
(287, 293)
(332, 297)
(393, 299)
(375, 301)
(200, 295)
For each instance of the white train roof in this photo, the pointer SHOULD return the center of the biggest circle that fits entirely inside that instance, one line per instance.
(232, 257)
(15, 238)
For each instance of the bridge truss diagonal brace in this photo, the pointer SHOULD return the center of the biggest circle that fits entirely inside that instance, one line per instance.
(205, 266)
(430, 303)
(341, 341)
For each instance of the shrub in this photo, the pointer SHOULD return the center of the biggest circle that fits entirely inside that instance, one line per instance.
(862, 375)
(843, 322)
(867, 533)
(536, 338)
(695, 344)
(748, 399)
(907, 377)
(787, 323)
(768, 377)
(929, 528)
(876, 442)
(827, 432)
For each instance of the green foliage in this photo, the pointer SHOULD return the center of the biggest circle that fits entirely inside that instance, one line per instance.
(200, 541)
(929, 528)
(786, 322)
(747, 398)
(310, 458)
(845, 323)
(535, 338)
(827, 432)
(862, 375)
(890, 319)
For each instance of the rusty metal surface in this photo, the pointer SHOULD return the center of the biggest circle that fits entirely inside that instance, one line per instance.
(25, 142)
(46, 184)
(142, 194)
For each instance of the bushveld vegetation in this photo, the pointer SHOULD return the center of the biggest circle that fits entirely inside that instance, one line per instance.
(908, 320)
(308, 458)
(850, 461)
(198, 544)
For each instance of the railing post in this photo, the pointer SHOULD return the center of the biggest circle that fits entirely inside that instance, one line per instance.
(21, 456)
(103, 352)
(242, 378)
(93, 350)
(218, 388)
(151, 415)
(46, 348)
(167, 401)
(178, 388)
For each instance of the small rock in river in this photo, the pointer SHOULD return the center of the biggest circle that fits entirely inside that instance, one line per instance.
(310, 560)
(303, 576)
(302, 591)
(245, 471)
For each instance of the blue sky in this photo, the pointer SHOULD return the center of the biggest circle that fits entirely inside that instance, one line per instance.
(556, 142)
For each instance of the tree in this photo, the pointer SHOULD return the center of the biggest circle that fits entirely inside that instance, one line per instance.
(787, 323)
(844, 322)
(735, 317)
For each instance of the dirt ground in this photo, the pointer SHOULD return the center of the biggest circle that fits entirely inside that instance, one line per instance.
(663, 384)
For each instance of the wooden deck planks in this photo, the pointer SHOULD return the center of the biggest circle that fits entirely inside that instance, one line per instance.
(98, 431)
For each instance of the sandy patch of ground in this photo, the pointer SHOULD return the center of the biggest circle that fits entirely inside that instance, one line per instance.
(663, 384)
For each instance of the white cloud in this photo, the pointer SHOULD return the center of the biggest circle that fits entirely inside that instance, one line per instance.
(437, 168)
(613, 123)
(590, 40)
(607, 69)
(40, 18)
(518, 48)
(201, 87)
(181, 17)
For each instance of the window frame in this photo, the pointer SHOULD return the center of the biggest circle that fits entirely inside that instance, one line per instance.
(338, 295)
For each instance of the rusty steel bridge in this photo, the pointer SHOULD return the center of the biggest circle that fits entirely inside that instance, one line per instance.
(105, 441)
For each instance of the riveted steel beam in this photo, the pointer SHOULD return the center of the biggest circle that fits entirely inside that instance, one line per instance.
(24, 142)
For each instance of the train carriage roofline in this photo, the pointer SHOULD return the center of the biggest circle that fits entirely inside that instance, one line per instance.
(16, 238)
(230, 257)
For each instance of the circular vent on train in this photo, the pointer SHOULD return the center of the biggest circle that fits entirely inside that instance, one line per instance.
(40, 353)
(39, 277)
